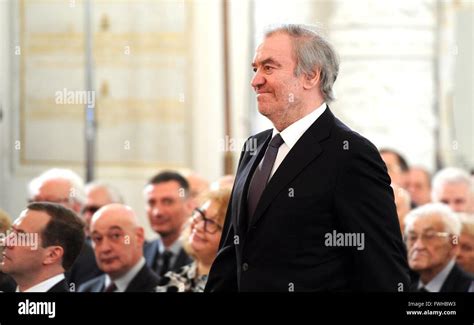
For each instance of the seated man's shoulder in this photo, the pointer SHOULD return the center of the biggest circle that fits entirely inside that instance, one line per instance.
(89, 286)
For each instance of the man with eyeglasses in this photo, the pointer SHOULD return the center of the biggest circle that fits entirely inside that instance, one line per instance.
(65, 187)
(98, 194)
(431, 235)
(118, 244)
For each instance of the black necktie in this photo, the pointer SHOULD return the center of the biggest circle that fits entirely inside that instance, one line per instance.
(111, 287)
(165, 262)
(262, 174)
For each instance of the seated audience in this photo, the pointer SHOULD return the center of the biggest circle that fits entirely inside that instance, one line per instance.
(397, 166)
(65, 187)
(98, 194)
(403, 204)
(198, 185)
(168, 206)
(419, 186)
(200, 240)
(431, 234)
(118, 244)
(454, 187)
(226, 181)
(45, 241)
(465, 257)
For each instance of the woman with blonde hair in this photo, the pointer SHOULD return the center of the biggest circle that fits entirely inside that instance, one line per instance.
(200, 238)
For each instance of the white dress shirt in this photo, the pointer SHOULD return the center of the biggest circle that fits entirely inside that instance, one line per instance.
(45, 285)
(293, 133)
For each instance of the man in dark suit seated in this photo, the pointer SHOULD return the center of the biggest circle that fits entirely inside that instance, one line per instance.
(431, 234)
(312, 208)
(98, 194)
(45, 241)
(465, 257)
(118, 244)
(65, 187)
(168, 206)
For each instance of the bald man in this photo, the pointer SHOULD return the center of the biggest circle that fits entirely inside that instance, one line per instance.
(118, 241)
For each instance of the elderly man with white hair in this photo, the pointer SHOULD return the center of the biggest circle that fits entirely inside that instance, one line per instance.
(454, 187)
(65, 187)
(431, 235)
(58, 185)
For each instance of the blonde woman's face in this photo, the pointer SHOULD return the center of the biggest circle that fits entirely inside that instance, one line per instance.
(205, 232)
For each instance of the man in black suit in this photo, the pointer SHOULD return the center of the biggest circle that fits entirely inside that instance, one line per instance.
(45, 241)
(168, 206)
(118, 243)
(65, 187)
(312, 208)
(432, 233)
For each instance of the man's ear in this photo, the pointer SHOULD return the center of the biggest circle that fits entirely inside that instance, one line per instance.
(311, 80)
(140, 233)
(54, 254)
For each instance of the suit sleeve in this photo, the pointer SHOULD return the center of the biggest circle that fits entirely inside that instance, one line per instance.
(223, 274)
(364, 204)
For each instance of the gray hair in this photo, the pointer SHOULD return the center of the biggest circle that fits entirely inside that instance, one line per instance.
(76, 182)
(112, 192)
(312, 51)
(450, 175)
(449, 218)
(467, 222)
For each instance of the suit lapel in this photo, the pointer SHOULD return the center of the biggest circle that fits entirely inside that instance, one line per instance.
(100, 285)
(243, 182)
(456, 281)
(61, 286)
(305, 150)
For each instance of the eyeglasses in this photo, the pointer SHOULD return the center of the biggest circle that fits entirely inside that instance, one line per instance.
(428, 237)
(91, 209)
(210, 226)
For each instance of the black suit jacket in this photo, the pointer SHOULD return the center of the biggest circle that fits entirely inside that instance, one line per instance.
(151, 251)
(61, 286)
(145, 281)
(456, 281)
(85, 266)
(333, 179)
(7, 284)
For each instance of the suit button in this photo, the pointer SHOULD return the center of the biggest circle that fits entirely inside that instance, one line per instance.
(245, 267)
